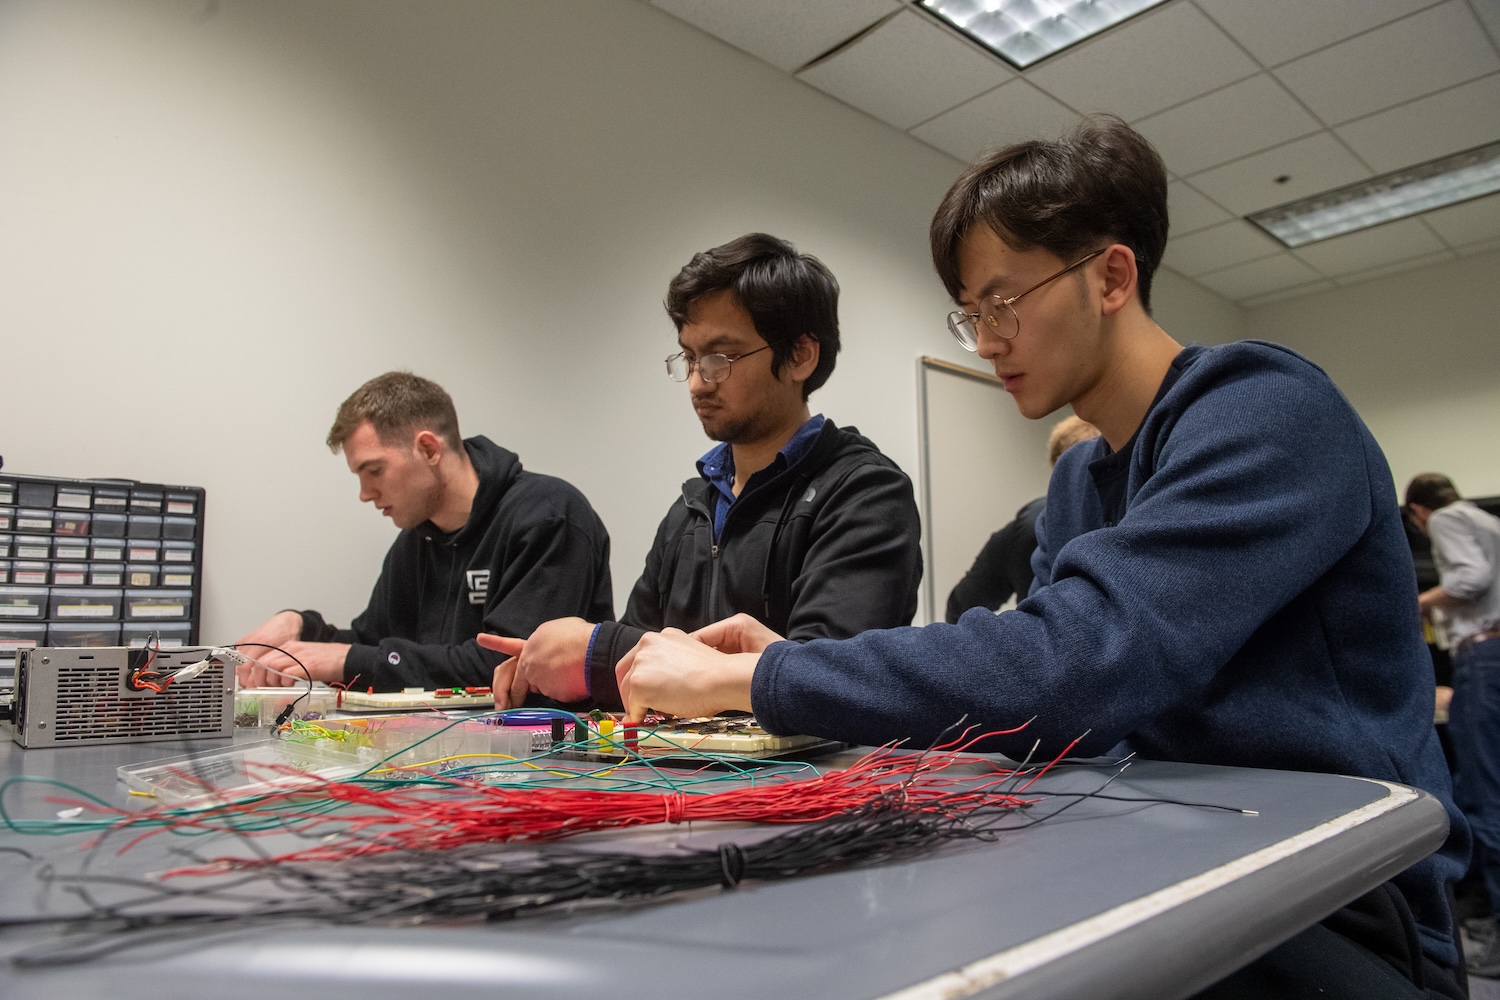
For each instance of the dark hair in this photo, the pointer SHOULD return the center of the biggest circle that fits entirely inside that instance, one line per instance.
(787, 295)
(1102, 181)
(1432, 490)
(396, 404)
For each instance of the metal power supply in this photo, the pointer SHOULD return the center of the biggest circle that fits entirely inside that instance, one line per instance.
(82, 696)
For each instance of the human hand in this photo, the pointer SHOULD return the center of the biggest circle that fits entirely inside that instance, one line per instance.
(550, 661)
(280, 629)
(323, 661)
(738, 634)
(672, 672)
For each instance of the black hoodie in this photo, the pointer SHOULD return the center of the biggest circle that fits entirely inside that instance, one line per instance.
(532, 550)
(828, 548)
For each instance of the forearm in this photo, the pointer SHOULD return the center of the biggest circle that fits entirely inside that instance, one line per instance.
(1437, 597)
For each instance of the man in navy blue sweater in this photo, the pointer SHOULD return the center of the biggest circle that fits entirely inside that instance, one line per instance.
(1222, 577)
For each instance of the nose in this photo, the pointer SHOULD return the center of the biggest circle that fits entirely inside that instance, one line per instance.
(698, 385)
(991, 345)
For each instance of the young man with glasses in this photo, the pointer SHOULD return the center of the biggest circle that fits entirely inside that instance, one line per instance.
(1221, 577)
(802, 525)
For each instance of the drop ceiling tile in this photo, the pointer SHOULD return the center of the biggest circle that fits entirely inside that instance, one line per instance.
(1409, 264)
(1489, 15)
(1218, 247)
(1259, 277)
(785, 33)
(1186, 53)
(906, 71)
(1242, 118)
(1189, 211)
(1468, 222)
(1376, 247)
(1310, 166)
(1474, 249)
(1461, 118)
(1278, 30)
(1009, 113)
(1295, 292)
(1417, 55)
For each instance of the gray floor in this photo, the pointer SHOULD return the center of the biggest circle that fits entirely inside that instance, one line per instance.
(1480, 989)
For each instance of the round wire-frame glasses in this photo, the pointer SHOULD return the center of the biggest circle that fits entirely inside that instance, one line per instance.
(999, 314)
(711, 367)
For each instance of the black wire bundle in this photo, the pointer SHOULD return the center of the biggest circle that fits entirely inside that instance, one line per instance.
(487, 881)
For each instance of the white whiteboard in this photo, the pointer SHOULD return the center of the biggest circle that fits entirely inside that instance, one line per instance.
(981, 462)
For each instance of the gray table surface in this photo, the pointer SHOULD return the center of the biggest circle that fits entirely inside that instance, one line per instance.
(1108, 900)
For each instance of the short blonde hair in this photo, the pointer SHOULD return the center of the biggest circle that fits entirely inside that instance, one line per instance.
(1068, 432)
(397, 404)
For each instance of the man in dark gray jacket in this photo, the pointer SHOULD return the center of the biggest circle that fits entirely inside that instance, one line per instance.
(803, 525)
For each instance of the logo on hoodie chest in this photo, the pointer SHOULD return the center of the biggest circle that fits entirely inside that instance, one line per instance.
(479, 585)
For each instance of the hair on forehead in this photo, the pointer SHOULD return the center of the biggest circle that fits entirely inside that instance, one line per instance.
(1100, 182)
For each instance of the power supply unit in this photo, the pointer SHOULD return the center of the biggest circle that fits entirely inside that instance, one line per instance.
(83, 696)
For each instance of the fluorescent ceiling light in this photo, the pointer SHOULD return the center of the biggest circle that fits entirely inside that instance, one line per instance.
(1383, 199)
(1025, 31)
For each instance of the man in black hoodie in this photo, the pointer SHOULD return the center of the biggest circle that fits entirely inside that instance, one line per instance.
(484, 547)
(792, 520)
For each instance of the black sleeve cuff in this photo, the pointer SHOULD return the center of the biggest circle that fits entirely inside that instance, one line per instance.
(611, 642)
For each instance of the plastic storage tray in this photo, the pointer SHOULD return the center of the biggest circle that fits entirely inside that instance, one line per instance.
(158, 605)
(239, 772)
(86, 603)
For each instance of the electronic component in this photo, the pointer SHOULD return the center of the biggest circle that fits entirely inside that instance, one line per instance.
(83, 696)
(692, 741)
(417, 699)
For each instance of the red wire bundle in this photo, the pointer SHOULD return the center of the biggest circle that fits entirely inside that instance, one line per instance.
(467, 812)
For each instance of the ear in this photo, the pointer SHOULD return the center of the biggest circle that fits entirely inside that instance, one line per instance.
(805, 355)
(1120, 278)
(429, 446)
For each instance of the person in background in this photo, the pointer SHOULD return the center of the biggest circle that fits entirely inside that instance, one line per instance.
(1221, 576)
(1003, 566)
(799, 523)
(485, 546)
(1466, 551)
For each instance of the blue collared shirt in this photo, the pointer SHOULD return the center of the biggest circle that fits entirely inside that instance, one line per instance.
(717, 467)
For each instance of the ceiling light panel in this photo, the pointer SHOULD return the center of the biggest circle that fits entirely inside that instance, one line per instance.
(1025, 31)
(1382, 199)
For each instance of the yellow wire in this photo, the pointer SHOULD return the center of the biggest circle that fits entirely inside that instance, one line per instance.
(468, 756)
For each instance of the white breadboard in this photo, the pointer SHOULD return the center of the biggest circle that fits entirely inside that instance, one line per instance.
(399, 701)
(739, 735)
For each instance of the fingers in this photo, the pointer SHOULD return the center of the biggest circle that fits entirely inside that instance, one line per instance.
(739, 633)
(501, 643)
(500, 685)
(520, 683)
(634, 712)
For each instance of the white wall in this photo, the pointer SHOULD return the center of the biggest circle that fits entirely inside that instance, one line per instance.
(1191, 313)
(220, 218)
(1418, 354)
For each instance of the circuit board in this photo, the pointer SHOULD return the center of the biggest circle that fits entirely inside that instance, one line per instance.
(737, 735)
(691, 741)
(417, 699)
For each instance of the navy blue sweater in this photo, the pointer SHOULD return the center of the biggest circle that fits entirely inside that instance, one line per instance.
(1233, 587)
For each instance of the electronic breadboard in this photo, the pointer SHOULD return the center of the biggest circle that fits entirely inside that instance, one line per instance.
(417, 699)
(691, 742)
(82, 696)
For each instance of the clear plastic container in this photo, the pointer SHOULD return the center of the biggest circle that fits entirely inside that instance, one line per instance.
(167, 636)
(250, 769)
(74, 498)
(67, 634)
(85, 603)
(158, 605)
(23, 603)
